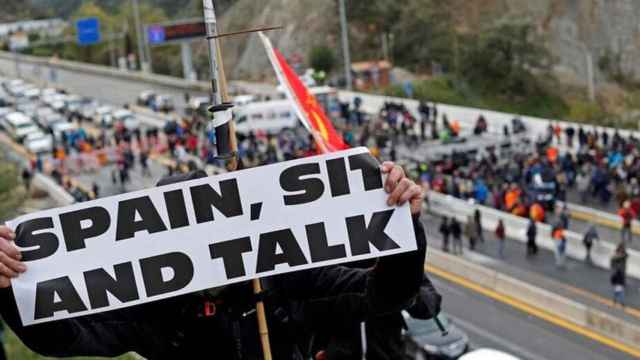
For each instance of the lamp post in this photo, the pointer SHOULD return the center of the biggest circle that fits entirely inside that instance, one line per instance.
(140, 38)
(345, 45)
(589, 62)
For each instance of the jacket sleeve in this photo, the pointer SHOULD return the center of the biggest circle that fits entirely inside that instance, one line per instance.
(96, 335)
(345, 295)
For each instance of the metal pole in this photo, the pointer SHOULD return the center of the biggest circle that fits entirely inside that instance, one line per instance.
(147, 47)
(590, 75)
(345, 46)
(136, 18)
(226, 142)
(187, 61)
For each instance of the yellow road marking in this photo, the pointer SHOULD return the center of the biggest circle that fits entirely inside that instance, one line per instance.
(627, 309)
(580, 215)
(544, 315)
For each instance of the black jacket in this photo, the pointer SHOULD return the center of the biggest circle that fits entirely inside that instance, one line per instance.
(299, 305)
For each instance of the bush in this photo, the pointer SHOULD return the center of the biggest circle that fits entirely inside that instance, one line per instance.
(321, 58)
(9, 183)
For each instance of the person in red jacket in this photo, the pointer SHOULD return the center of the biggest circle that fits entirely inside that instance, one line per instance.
(627, 215)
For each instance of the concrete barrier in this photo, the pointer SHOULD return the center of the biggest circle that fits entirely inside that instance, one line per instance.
(541, 299)
(467, 116)
(57, 192)
(516, 229)
(235, 87)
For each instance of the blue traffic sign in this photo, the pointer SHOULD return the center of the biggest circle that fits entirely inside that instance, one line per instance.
(156, 34)
(88, 31)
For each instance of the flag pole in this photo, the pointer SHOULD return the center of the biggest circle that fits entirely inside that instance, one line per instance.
(226, 142)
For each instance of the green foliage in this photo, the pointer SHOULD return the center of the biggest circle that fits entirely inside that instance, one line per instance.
(16, 350)
(584, 111)
(321, 58)
(455, 91)
(502, 58)
(10, 196)
(425, 35)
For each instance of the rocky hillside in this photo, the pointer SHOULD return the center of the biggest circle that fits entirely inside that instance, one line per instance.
(608, 29)
(307, 23)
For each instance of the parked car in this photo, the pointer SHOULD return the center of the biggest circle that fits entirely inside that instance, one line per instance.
(60, 127)
(32, 94)
(103, 116)
(88, 109)
(424, 339)
(38, 142)
(268, 116)
(145, 98)
(41, 113)
(127, 119)
(51, 119)
(18, 125)
(72, 105)
(198, 106)
(162, 103)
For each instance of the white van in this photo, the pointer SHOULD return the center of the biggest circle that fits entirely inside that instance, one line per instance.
(269, 116)
(18, 125)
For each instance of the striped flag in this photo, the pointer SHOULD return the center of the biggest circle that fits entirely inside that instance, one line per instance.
(309, 111)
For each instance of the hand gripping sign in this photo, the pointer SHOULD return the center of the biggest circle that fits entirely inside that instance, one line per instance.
(162, 242)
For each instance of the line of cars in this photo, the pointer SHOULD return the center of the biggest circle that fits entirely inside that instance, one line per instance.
(40, 118)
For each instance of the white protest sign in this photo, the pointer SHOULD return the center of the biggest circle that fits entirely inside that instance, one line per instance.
(162, 242)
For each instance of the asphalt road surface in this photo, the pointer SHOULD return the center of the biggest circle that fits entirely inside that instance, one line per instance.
(580, 281)
(491, 323)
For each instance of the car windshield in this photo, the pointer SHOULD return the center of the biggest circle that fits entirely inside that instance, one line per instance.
(424, 327)
(24, 125)
(35, 136)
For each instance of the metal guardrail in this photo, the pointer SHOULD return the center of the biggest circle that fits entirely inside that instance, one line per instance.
(516, 228)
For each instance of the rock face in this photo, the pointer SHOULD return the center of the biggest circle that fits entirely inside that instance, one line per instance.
(307, 23)
(605, 28)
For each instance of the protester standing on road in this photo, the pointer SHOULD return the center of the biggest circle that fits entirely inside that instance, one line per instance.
(589, 238)
(561, 246)
(456, 231)
(144, 162)
(470, 232)
(627, 214)
(26, 178)
(95, 189)
(444, 230)
(477, 219)
(619, 273)
(564, 217)
(532, 233)
(500, 234)
(583, 183)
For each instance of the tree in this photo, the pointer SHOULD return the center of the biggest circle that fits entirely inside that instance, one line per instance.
(9, 183)
(98, 53)
(425, 34)
(321, 58)
(504, 56)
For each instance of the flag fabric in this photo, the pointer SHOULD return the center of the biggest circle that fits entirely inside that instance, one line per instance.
(309, 111)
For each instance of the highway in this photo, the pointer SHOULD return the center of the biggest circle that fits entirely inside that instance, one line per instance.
(493, 323)
(579, 280)
(489, 321)
(112, 90)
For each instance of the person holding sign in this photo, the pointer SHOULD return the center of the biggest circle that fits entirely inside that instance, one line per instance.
(220, 321)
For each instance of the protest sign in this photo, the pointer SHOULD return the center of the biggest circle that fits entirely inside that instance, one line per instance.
(162, 242)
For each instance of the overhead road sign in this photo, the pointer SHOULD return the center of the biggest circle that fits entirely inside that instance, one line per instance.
(88, 31)
(160, 34)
